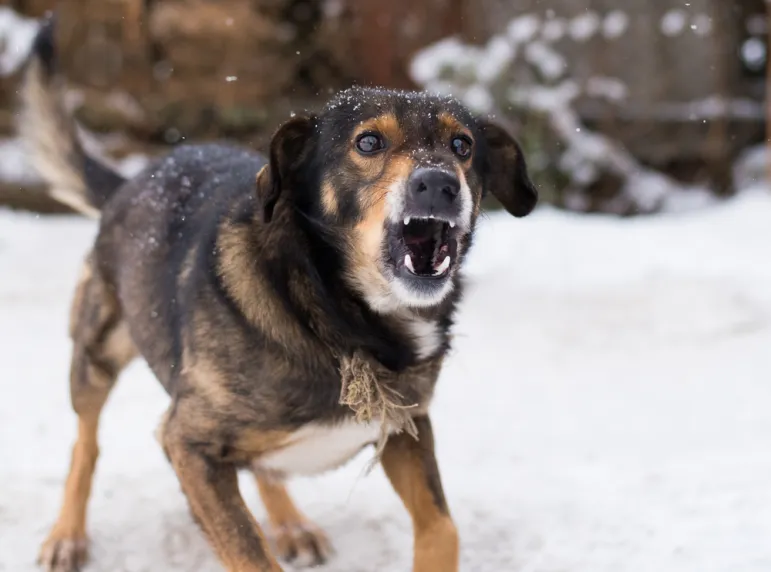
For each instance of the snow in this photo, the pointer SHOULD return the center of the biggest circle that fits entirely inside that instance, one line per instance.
(610, 88)
(553, 29)
(615, 24)
(428, 64)
(751, 167)
(586, 152)
(16, 36)
(15, 167)
(585, 26)
(605, 407)
(753, 53)
(476, 75)
(498, 56)
(702, 24)
(548, 61)
(523, 29)
(673, 22)
(478, 98)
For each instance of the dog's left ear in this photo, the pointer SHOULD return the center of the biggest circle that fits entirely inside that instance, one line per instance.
(506, 172)
(288, 149)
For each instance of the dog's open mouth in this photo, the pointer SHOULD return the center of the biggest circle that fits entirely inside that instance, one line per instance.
(424, 247)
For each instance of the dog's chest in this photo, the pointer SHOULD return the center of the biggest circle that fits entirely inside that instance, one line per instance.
(426, 335)
(316, 448)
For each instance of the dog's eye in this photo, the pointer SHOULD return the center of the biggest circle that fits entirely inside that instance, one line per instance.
(369, 143)
(461, 146)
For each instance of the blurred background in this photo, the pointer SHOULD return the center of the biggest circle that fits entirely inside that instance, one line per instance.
(624, 107)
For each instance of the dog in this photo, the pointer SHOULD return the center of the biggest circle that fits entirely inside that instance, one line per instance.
(296, 307)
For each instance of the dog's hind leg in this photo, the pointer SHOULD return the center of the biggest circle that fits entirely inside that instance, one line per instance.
(297, 540)
(101, 349)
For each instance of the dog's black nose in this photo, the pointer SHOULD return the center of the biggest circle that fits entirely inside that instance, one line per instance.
(433, 189)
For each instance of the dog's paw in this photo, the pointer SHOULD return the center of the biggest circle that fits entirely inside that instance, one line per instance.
(63, 552)
(302, 544)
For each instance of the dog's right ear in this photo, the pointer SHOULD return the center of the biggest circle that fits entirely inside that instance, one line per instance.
(288, 149)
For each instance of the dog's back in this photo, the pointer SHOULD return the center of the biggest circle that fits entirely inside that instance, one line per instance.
(158, 234)
(154, 229)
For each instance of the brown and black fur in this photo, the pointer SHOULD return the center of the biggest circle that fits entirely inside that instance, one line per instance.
(242, 281)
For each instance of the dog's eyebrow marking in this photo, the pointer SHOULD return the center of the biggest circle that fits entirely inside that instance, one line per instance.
(387, 124)
(449, 126)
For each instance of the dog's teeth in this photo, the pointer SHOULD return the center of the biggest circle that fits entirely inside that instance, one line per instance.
(452, 224)
(408, 263)
(406, 220)
(443, 266)
(431, 216)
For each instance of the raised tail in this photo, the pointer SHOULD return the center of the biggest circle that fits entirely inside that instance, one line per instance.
(74, 178)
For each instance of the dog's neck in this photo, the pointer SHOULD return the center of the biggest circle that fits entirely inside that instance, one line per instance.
(299, 284)
(305, 262)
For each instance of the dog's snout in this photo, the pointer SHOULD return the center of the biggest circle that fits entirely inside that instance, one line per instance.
(434, 188)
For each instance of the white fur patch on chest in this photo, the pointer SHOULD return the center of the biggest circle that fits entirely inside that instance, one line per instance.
(426, 335)
(316, 448)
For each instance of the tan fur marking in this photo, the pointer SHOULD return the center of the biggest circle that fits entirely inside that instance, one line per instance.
(212, 393)
(294, 534)
(412, 470)
(254, 298)
(328, 198)
(387, 125)
(437, 547)
(67, 540)
(119, 347)
(370, 232)
(102, 347)
(281, 510)
(202, 374)
(450, 127)
(257, 443)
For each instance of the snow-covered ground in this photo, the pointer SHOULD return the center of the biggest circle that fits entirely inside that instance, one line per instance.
(607, 407)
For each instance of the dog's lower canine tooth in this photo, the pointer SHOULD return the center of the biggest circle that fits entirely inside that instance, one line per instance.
(408, 263)
(443, 266)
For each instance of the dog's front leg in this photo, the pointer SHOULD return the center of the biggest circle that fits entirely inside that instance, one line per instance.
(411, 467)
(211, 487)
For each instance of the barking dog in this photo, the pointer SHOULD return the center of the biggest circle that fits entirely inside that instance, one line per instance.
(289, 304)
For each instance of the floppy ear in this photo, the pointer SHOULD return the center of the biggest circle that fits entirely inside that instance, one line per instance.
(506, 172)
(287, 151)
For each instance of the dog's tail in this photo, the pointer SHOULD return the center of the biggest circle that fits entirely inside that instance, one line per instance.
(74, 178)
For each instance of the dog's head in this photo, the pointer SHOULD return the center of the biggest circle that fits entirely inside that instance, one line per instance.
(400, 176)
